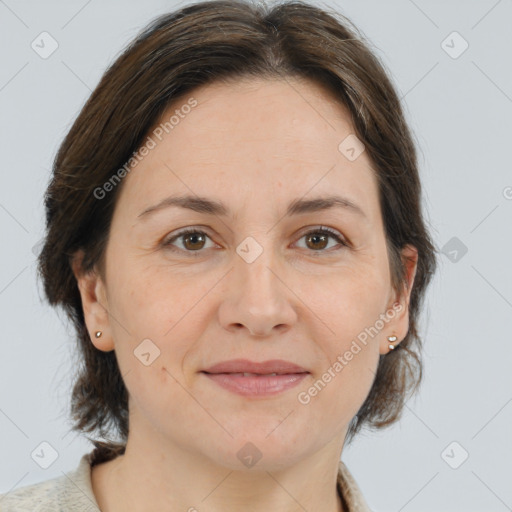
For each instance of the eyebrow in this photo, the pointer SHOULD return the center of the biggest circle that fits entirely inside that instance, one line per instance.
(213, 207)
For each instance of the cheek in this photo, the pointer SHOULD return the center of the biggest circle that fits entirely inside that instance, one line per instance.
(350, 358)
(348, 386)
(351, 310)
(163, 400)
(156, 321)
(350, 302)
(150, 300)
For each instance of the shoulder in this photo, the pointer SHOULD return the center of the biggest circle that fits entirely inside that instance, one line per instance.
(350, 492)
(70, 492)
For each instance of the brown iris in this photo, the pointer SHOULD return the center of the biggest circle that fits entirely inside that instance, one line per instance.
(193, 240)
(315, 237)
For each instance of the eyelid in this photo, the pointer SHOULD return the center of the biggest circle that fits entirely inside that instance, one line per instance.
(333, 233)
(326, 229)
(167, 240)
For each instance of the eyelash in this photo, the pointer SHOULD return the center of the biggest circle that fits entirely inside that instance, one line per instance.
(321, 230)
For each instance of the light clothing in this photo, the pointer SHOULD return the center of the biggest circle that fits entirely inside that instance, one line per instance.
(72, 492)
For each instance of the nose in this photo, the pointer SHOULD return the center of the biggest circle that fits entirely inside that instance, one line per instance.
(257, 298)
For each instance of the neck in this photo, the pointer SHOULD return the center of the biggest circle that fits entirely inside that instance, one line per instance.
(148, 477)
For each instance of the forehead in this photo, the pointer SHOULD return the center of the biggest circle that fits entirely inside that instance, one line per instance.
(252, 139)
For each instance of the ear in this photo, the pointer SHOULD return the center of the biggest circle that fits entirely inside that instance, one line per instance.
(399, 303)
(94, 302)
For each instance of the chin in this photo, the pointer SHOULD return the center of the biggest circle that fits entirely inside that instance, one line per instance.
(266, 448)
(252, 457)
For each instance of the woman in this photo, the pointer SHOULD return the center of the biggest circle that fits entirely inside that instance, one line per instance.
(234, 226)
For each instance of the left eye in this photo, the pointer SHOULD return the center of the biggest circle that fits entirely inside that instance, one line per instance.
(321, 236)
(194, 240)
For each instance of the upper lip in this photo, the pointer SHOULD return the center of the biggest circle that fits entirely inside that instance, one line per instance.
(278, 366)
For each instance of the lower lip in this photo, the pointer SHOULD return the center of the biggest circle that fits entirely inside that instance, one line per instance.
(264, 385)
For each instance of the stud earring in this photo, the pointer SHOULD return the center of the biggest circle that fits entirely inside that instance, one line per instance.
(391, 339)
(98, 334)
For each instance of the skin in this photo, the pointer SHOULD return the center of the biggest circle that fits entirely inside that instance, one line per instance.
(256, 146)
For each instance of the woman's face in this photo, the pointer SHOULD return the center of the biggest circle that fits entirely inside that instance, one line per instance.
(255, 279)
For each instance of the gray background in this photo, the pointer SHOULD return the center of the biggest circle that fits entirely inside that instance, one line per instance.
(460, 110)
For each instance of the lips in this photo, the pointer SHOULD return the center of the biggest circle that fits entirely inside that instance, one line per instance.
(246, 368)
(256, 380)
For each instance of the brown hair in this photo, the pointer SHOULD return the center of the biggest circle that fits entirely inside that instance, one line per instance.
(195, 45)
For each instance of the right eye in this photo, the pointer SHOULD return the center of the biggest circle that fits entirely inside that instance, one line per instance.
(193, 241)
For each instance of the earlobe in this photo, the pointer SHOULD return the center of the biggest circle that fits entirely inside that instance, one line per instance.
(94, 304)
(392, 340)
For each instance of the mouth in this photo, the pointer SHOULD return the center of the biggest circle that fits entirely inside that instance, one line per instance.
(256, 384)
(247, 368)
(248, 374)
(256, 379)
